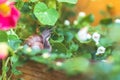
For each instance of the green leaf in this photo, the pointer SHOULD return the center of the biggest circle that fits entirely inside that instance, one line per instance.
(114, 33)
(57, 38)
(106, 21)
(14, 58)
(0, 77)
(68, 1)
(12, 37)
(76, 65)
(15, 71)
(73, 47)
(59, 48)
(40, 7)
(69, 36)
(44, 15)
(3, 36)
(89, 18)
(106, 42)
(33, 0)
(14, 41)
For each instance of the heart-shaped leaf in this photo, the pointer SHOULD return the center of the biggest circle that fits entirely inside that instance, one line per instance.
(47, 16)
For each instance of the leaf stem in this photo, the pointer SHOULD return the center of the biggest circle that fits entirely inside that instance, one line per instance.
(4, 71)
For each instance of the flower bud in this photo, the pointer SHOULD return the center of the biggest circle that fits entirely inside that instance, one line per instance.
(3, 50)
(46, 55)
(67, 22)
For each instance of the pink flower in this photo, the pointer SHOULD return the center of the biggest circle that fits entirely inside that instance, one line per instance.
(2, 1)
(3, 50)
(9, 15)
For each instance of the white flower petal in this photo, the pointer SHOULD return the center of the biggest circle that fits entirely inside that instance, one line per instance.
(82, 14)
(96, 37)
(46, 55)
(89, 36)
(75, 22)
(117, 20)
(59, 63)
(100, 50)
(67, 22)
(82, 34)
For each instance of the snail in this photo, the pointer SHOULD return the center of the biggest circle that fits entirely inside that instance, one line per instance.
(41, 42)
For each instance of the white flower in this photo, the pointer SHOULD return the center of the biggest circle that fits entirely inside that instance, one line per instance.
(75, 22)
(67, 22)
(96, 37)
(89, 36)
(46, 55)
(28, 49)
(117, 20)
(83, 34)
(59, 63)
(100, 50)
(82, 14)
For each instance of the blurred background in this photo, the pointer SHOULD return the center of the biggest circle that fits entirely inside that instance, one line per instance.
(100, 8)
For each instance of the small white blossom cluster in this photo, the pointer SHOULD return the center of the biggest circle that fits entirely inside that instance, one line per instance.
(100, 50)
(96, 37)
(46, 55)
(80, 15)
(83, 34)
(29, 50)
(58, 63)
(117, 21)
(75, 22)
(67, 22)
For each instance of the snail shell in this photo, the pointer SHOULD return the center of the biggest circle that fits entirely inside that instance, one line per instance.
(39, 41)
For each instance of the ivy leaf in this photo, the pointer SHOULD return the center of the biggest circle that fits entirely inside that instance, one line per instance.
(68, 1)
(3, 36)
(59, 48)
(47, 16)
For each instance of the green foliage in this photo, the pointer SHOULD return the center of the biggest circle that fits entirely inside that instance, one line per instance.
(68, 1)
(69, 53)
(59, 48)
(47, 16)
(3, 36)
(76, 65)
